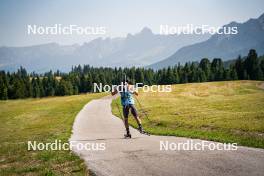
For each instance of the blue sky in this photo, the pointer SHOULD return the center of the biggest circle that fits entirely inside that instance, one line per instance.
(118, 16)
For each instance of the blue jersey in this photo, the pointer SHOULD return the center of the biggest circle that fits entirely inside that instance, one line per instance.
(127, 98)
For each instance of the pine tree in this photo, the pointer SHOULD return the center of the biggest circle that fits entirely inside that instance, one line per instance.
(239, 68)
(28, 87)
(41, 88)
(201, 75)
(233, 74)
(176, 75)
(217, 69)
(262, 64)
(139, 75)
(75, 90)
(169, 76)
(227, 75)
(18, 88)
(64, 88)
(205, 65)
(3, 90)
(35, 88)
(252, 64)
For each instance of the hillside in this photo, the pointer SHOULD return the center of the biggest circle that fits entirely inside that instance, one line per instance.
(140, 49)
(230, 111)
(250, 35)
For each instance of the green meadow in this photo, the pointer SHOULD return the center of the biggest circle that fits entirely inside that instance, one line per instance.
(42, 120)
(229, 111)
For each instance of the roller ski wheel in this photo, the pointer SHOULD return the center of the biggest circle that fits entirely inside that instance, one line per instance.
(126, 136)
(143, 132)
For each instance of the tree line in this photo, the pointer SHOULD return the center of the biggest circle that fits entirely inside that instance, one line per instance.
(80, 79)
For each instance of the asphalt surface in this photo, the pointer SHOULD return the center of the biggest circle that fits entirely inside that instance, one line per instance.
(97, 128)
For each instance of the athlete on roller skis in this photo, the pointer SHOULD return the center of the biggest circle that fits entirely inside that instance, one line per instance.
(128, 104)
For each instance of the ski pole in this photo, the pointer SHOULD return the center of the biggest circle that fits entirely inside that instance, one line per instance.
(146, 115)
(120, 112)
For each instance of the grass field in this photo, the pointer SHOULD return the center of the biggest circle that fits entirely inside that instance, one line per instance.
(231, 111)
(43, 120)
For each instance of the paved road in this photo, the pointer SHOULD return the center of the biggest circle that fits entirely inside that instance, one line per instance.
(141, 155)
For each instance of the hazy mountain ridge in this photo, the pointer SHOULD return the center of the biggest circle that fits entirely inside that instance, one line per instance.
(139, 49)
(250, 35)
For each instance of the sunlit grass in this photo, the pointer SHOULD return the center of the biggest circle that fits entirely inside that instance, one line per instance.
(230, 111)
(42, 120)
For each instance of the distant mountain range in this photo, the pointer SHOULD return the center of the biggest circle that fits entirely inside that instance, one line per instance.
(141, 49)
(250, 35)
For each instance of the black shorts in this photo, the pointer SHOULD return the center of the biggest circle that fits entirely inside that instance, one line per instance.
(126, 110)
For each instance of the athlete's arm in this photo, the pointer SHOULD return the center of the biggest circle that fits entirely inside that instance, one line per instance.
(114, 92)
(132, 90)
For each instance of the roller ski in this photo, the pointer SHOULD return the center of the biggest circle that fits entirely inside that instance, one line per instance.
(128, 134)
(142, 131)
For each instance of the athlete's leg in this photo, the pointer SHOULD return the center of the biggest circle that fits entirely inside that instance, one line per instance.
(135, 114)
(125, 113)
